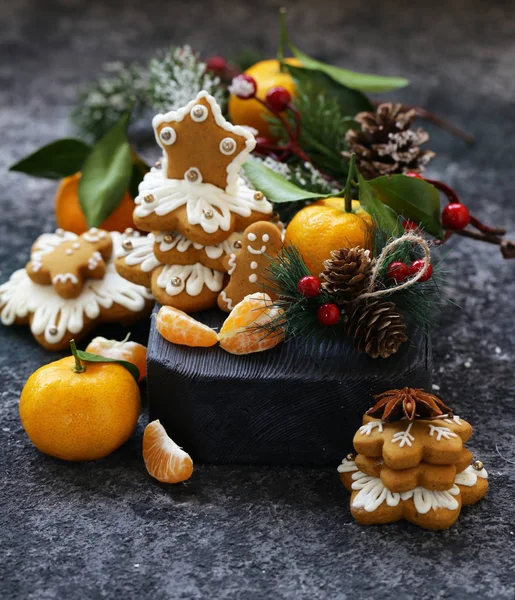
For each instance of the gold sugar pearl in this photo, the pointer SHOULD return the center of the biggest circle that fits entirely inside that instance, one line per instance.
(157, 164)
(350, 456)
(238, 244)
(192, 176)
(166, 135)
(127, 245)
(259, 196)
(198, 112)
(149, 198)
(478, 465)
(228, 145)
(176, 281)
(59, 232)
(129, 231)
(208, 213)
(53, 331)
(168, 238)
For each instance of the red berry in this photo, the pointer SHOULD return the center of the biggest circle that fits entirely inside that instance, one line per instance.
(328, 314)
(397, 271)
(309, 286)
(455, 216)
(410, 225)
(418, 265)
(218, 64)
(243, 86)
(278, 98)
(413, 174)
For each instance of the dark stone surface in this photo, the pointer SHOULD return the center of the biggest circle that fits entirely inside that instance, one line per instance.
(295, 404)
(106, 530)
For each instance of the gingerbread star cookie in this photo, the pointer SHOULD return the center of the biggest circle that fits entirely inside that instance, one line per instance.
(198, 191)
(66, 262)
(98, 294)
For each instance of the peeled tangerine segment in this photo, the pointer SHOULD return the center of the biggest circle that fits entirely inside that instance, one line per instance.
(164, 459)
(179, 328)
(242, 331)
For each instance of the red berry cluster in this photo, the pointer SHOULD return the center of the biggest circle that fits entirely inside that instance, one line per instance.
(328, 313)
(399, 271)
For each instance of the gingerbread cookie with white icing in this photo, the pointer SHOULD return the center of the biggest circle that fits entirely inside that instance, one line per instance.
(136, 260)
(411, 463)
(247, 267)
(66, 263)
(172, 248)
(55, 320)
(198, 191)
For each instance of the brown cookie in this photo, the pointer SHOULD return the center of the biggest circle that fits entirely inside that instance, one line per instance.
(372, 503)
(405, 444)
(55, 320)
(431, 477)
(247, 267)
(175, 249)
(66, 262)
(136, 260)
(190, 288)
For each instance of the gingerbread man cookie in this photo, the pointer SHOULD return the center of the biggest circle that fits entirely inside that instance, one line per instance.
(198, 192)
(66, 262)
(247, 268)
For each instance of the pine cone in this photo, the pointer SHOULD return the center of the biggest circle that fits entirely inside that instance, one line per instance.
(386, 145)
(377, 328)
(347, 272)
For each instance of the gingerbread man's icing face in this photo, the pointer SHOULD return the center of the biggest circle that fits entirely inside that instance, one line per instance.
(261, 242)
(66, 261)
(200, 146)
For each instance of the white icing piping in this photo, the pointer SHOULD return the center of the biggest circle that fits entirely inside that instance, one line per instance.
(404, 437)
(370, 426)
(182, 244)
(142, 253)
(192, 279)
(227, 300)
(200, 200)
(441, 432)
(53, 316)
(64, 277)
(347, 466)
(232, 263)
(48, 242)
(233, 168)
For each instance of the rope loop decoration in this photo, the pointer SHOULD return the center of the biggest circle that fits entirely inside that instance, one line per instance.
(387, 250)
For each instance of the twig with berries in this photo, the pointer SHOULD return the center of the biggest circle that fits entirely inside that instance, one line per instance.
(456, 218)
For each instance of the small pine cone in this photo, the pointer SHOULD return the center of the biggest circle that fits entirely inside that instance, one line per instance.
(347, 272)
(376, 326)
(386, 144)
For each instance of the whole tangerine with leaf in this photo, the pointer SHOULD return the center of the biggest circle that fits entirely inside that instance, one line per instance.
(268, 75)
(70, 216)
(326, 225)
(81, 407)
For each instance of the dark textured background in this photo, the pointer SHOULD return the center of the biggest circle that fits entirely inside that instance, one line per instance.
(106, 529)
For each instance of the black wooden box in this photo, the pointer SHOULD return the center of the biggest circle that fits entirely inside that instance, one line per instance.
(282, 406)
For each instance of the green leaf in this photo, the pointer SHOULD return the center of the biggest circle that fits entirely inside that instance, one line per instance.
(106, 174)
(356, 81)
(275, 187)
(412, 198)
(383, 215)
(89, 357)
(350, 101)
(55, 160)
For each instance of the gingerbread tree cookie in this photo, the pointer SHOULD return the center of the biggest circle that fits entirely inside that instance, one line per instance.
(66, 262)
(198, 192)
(247, 268)
(411, 463)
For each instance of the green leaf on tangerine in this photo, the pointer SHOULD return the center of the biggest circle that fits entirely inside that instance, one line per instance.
(276, 188)
(55, 160)
(106, 174)
(412, 198)
(357, 81)
(383, 215)
(89, 357)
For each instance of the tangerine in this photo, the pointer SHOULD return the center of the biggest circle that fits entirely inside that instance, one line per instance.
(324, 226)
(69, 215)
(244, 330)
(164, 459)
(125, 350)
(267, 74)
(79, 415)
(179, 328)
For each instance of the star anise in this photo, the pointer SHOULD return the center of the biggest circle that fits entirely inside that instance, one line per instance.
(410, 403)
